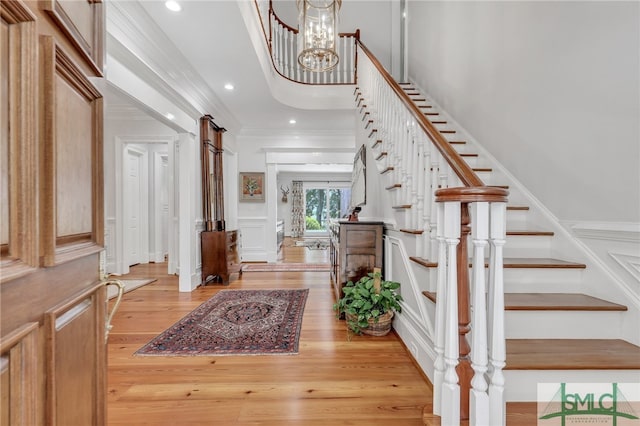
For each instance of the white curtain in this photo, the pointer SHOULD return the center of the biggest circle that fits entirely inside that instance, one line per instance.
(297, 209)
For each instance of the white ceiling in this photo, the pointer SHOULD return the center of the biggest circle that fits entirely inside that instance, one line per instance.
(212, 36)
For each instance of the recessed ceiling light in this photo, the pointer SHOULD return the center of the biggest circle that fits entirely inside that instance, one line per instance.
(170, 116)
(292, 121)
(228, 86)
(173, 6)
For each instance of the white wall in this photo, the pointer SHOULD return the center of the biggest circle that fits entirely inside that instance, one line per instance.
(270, 153)
(551, 89)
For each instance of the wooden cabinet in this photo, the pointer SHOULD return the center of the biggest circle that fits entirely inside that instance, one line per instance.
(355, 249)
(220, 256)
(219, 247)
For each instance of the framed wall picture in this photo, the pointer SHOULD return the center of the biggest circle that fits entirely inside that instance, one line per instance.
(252, 187)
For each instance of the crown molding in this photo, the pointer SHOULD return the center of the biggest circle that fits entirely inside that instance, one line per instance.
(138, 42)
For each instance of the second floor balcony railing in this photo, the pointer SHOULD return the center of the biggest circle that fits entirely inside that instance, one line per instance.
(282, 40)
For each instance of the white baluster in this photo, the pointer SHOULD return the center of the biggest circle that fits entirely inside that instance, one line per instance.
(286, 55)
(450, 388)
(427, 212)
(420, 188)
(497, 349)
(479, 398)
(441, 285)
(435, 167)
(414, 175)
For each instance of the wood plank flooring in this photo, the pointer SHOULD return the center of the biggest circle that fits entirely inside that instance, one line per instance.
(334, 380)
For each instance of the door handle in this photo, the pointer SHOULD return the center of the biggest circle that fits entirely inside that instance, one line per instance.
(120, 287)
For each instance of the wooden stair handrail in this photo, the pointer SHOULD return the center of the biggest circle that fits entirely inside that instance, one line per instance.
(468, 177)
(489, 194)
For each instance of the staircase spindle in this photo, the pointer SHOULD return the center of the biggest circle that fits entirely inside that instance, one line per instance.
(413, 178)
(421, 221)
(497, 343)
(439, 341)
(450, 404)
(479, 398)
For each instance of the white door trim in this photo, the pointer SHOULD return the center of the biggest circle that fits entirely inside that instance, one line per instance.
(121, 147)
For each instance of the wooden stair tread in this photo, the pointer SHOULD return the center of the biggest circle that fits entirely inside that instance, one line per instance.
(550, 302)
(517, 207)
(530, 233)
(518, 262)
(518, 414)
(467, 155)
(382, 155)
(572, 354)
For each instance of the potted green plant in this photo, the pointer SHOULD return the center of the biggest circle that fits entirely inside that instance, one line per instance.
(369, 304)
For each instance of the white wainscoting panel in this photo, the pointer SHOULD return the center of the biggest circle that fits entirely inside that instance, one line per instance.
(254, 238)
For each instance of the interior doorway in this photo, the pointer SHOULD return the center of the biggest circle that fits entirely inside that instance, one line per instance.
(136, 205)
(145, 215)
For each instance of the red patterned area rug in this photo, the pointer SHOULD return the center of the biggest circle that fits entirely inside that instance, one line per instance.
(236, 322)
(285, 267)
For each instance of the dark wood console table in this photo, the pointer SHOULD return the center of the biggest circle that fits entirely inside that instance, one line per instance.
(355, 249)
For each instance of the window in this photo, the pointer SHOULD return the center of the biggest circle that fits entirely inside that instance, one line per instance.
(323, 203)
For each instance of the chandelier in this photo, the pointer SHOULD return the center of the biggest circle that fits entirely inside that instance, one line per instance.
(317, 34)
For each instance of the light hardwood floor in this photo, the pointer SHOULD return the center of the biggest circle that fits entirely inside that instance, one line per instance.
(333, 381)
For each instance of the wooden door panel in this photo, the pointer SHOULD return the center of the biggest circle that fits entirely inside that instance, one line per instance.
(73, 160)
(82, 21)
(4, 137)
(75, 351)
(18, 248)
(71, 179)
(19, 377)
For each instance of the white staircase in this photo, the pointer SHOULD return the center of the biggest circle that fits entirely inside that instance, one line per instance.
(566, 320)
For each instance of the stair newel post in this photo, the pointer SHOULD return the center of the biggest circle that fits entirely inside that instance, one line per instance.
(450, 404)
(479, 398)
(441, 285)
(465, 372)
(497, 342)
